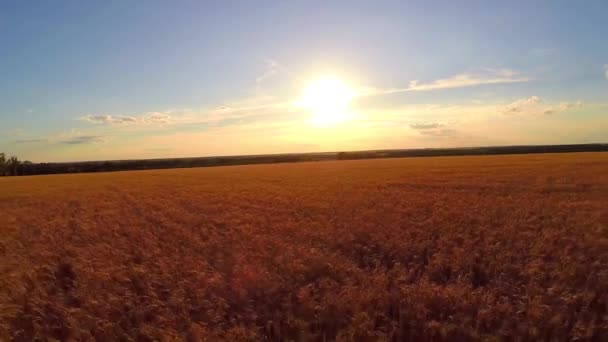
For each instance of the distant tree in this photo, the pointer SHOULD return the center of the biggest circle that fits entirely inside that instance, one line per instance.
(12, 165)
(26, 167)
(2, 164)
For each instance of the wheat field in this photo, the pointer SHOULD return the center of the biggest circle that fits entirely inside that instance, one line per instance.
(444, 248)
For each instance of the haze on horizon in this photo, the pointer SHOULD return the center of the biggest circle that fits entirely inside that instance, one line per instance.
(131, 80)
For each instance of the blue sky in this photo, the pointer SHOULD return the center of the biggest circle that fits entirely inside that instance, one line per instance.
(132, 79)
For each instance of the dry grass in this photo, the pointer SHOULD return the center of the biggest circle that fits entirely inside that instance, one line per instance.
(451, 248)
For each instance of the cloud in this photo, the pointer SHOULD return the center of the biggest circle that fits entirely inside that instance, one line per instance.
(548, 111)
(257, 109)
(522, 105)
(97, 118)
(30, 141)
(108, 119)
(157, 118)
(83, 139)
(440, 132)
(152, 117)
(425, 126)
(433, 129)
(469, 80)
(534, 105)
(569, 105)
(606, 71)
(487, 76)
(271, 68)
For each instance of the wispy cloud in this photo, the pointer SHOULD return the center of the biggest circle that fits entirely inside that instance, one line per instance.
(271, 68)
(152, 117)
(107, 119)
(534, 105)
(469, 80)
(486, 76)
(606, 71)
(258, 108)
(440, 132)
(83, 139)
(30, 141)
(433, 129)
(569, 105)
(72, 137)
(157, 117)
(254, 108)
(522, 105)
(425, 125)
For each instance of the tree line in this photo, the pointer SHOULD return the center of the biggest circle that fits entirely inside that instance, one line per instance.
(11, 166)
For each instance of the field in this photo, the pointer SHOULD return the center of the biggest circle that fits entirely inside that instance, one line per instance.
(441, 248)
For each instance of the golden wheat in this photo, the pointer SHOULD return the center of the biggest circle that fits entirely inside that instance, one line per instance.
(448, 248)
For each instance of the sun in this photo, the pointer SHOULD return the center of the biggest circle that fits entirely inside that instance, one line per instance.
(327, 98)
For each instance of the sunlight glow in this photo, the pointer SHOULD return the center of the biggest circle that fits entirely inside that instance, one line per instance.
(327, 99)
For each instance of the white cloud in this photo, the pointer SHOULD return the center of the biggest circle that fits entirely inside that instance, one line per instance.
(257, 109)
(97, 118)
(469, 80)
(157, 118)
(534, 105)
(152, 117)
(486, 76)
(522, 105)
(107, 119)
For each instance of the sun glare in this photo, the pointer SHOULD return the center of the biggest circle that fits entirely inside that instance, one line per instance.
(327, 99)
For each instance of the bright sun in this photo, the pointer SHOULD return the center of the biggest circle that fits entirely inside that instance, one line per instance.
(328, 99)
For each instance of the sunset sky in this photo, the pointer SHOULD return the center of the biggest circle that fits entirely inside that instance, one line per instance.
(153, 79)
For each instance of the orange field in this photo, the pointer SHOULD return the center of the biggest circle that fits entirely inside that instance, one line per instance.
(447, 248)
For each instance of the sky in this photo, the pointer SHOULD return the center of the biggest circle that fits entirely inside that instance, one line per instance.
(84, 80)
